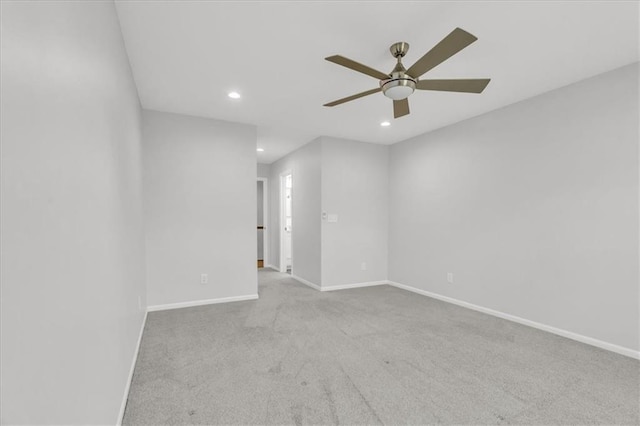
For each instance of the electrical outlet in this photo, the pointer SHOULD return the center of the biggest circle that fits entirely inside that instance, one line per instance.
(363, 266)
(204, 278)
(139, 303)
(450, 277)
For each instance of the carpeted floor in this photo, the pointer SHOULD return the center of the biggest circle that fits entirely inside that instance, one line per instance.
(368, 356)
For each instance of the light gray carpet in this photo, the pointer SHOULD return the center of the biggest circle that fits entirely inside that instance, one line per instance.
(368, 356)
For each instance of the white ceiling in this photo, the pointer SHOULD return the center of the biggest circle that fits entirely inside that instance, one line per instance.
(187, 55)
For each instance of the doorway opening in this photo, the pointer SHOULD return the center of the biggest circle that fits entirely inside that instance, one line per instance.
(286, 220)
(262, 216)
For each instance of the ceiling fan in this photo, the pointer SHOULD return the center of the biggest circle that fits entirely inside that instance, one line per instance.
(401, 82)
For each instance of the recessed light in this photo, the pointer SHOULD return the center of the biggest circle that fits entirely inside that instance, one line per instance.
(260, 149)
(385, 124)
(234, 95)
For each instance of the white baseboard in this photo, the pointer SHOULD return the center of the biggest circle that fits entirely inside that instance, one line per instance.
(337, 287)
(354, 285)
(201, 302)
(123, 405)
(305, 282)
(275, 268)
(560, 332)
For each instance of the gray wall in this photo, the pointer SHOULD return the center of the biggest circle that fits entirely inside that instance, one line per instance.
(342, 177)
(264, 170)
(354, 186)
(72, 245)
(533, 207)
(200, 207)
(304, 165)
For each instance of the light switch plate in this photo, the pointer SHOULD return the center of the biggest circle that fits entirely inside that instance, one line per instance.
(333, 218)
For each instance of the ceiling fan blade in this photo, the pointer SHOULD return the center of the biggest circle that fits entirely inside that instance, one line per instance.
(400, 108)
(356, 66)
(469, 86)
(352, 97)
(457, 40)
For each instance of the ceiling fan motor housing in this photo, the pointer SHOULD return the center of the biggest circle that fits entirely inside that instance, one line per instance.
(399, 86)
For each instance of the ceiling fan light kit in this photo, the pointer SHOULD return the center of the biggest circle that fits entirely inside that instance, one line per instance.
(400, 83)
(398, 87)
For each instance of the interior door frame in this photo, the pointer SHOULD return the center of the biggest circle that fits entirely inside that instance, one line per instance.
(265, 220)
(283, 183)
